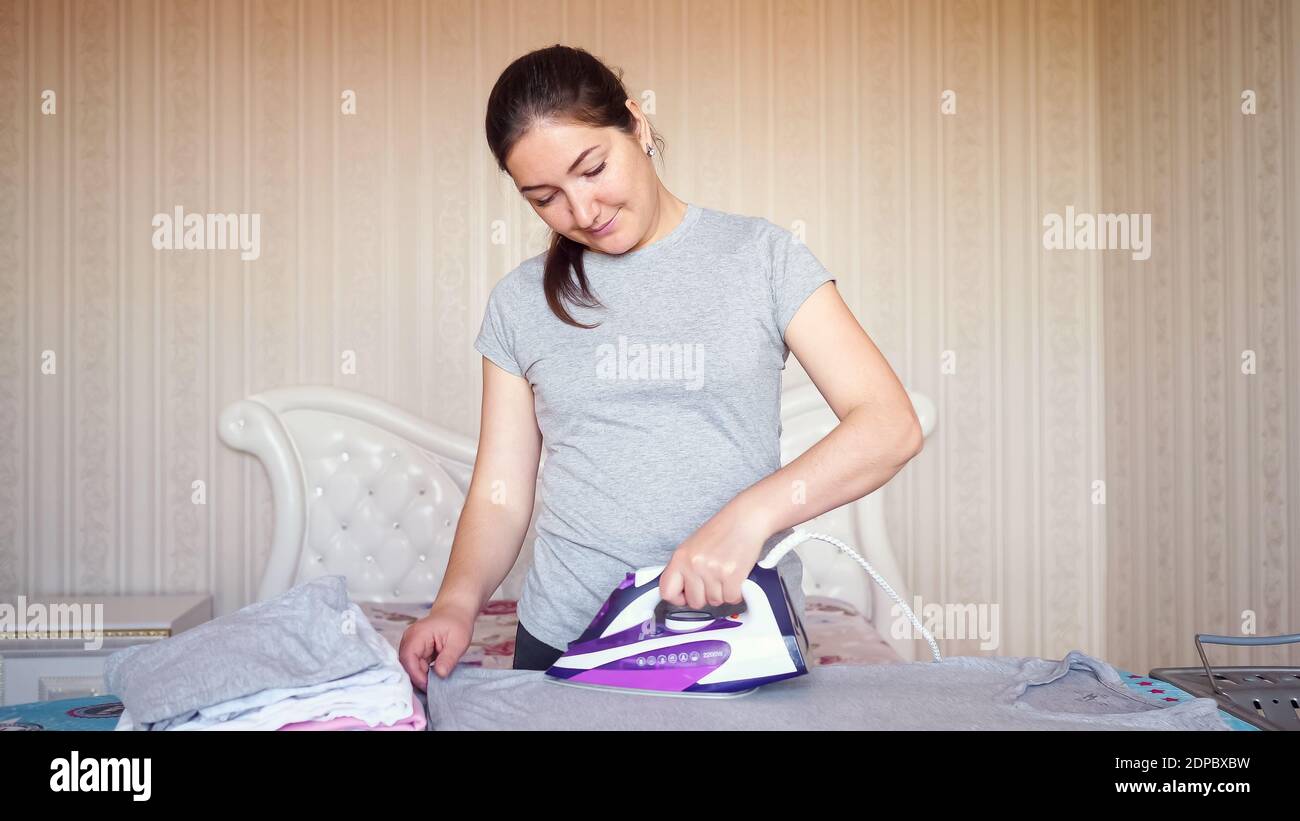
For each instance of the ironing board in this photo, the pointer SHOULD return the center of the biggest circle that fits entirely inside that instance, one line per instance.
(838, 635)
(972, 693)
(101, 712)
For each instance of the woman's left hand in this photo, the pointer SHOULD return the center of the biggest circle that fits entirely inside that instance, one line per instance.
(709, 567)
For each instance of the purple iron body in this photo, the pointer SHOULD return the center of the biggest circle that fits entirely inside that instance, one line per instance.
(640, 642)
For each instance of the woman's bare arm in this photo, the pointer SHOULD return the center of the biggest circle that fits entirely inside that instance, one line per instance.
(499, 505)
(878, 431)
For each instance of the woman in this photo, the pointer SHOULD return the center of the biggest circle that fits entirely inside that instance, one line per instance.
(644, 348)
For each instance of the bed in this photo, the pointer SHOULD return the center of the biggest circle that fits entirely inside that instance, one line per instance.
(371, 492)
(366, 490)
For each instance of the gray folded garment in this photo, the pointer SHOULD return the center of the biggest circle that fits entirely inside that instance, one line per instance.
(1078, 692)
(298, 638)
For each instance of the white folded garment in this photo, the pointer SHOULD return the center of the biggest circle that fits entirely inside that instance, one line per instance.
(378, 695)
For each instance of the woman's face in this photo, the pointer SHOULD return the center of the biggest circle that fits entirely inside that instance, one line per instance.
(577, 191)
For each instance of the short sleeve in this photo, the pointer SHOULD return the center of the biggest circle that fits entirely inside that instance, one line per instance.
(796, 273)
(496, 338)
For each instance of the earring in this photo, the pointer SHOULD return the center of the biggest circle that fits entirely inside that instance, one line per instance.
(650, 151)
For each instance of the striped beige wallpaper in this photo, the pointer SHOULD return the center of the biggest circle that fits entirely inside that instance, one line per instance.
(918, 144)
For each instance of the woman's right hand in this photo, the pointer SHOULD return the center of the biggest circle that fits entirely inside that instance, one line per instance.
(441, 637)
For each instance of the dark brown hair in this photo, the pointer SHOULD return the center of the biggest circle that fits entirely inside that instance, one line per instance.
(558, 84)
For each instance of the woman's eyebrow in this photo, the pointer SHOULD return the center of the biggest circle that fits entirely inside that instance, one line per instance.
(570, 171)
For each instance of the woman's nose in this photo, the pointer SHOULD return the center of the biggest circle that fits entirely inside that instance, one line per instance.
(585, 214)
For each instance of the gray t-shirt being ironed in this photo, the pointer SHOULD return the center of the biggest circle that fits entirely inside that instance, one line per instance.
(656, 419)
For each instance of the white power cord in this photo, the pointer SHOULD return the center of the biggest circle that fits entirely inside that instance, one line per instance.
(798, 537)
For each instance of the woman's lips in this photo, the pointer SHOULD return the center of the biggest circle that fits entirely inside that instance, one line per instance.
(608, 226)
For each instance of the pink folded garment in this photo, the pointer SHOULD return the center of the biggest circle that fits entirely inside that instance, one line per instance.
(415, 721)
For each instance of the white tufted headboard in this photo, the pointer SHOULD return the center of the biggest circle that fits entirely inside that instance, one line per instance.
(366, 490)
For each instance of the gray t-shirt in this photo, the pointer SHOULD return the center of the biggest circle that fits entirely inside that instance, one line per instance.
(657, 418)
(989, 693)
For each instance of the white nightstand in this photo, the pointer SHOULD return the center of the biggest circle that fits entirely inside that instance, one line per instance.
(45, 667)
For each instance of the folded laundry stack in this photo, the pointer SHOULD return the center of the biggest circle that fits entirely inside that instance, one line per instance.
(307, 659)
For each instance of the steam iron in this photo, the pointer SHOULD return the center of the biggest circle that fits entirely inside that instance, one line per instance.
(640, 643)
